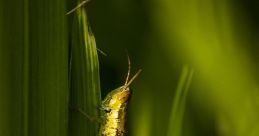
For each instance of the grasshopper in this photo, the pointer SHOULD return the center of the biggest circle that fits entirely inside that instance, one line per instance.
(114, 108)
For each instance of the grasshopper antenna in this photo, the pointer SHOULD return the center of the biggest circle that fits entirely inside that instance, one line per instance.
(77, 7)
(133, 78)
(129, 69)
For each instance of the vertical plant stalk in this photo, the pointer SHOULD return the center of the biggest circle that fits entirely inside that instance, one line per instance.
(48, 65)
(14, 64)
(33, 72)
(26, 68)
(177, 113)
(85, 82)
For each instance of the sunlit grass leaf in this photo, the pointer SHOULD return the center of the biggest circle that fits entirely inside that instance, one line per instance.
(178, 106)
(85, 82)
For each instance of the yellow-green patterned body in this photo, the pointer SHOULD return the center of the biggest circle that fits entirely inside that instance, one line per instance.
(114, 108)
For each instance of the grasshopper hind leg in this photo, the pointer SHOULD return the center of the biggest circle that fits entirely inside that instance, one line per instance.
(87, 116)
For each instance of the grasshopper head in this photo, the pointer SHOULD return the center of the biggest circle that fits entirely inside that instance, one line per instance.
(120, 96)
(117, 97)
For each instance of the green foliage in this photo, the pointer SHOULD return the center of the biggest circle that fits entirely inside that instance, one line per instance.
(34, 76)
(49, 67)
(35, 70)
(85, 82)
(178, 105)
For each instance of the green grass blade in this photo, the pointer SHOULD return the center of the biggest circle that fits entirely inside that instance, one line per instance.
(33, 59)
(26, 69)
(85, 82)
(48, 64)
(14, 68)
(177, 113)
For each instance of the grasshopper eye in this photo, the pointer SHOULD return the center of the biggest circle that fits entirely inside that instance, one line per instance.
(107, 110)
(121, 98)
(124, 97)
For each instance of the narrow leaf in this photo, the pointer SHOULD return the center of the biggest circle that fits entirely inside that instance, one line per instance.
(85, 82)
(177, 112)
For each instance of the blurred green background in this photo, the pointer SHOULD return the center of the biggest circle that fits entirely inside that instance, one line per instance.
(218, 39)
